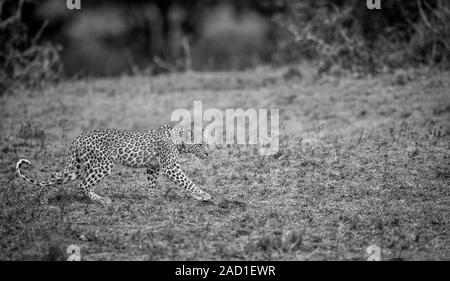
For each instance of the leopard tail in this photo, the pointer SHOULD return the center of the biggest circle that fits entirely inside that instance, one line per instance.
(64, 176)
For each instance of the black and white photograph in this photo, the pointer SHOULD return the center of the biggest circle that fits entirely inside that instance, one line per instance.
(245, 131)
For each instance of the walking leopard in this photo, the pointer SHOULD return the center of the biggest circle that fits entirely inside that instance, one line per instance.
(93, 154)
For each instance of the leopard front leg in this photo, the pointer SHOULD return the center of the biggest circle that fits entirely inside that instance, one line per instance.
(152, 175)
(174, 173)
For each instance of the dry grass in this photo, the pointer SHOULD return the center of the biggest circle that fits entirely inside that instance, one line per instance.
(361, 162)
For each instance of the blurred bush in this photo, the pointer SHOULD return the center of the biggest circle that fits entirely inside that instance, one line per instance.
(227, 40)
(347, 34)
(23, 62)
(111, 37)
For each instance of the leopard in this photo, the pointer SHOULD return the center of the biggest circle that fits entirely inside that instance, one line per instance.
(93, 154)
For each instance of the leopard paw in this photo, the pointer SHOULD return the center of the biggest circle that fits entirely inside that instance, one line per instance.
(201, 196)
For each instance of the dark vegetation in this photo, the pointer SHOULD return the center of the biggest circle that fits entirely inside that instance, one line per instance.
(114, 37)
(347, 34)
(25, 61)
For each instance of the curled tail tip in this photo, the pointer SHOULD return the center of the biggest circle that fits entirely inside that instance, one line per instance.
(21, 161)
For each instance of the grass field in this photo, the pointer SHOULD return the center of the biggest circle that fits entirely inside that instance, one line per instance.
(362, 161)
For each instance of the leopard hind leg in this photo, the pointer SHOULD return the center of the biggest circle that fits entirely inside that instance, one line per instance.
(92, 173)
(152, 176)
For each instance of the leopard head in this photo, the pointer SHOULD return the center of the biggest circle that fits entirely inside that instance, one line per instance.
(188, 141)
